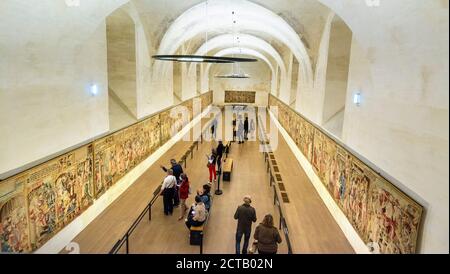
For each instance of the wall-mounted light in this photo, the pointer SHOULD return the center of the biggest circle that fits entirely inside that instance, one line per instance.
(357, 99)
(94, 89)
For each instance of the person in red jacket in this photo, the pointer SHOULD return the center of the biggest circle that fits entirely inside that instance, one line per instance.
(184, 194)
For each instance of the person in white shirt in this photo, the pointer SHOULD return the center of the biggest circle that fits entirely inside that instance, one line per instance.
(167, 191)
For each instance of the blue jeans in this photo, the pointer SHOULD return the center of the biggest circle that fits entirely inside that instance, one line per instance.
(246, 240)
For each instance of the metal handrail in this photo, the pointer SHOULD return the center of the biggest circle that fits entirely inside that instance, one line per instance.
(283, 225)
(148, 209)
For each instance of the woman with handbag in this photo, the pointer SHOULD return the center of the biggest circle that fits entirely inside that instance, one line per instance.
(267, 236)
(212, 165)
(184, 194)
(167, 191)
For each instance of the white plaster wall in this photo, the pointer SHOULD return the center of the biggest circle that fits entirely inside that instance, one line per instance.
(49, 56)
(310, 99)
(121, 44)
(337, 70)
(259, 81)
(119, 115)
(399, 61)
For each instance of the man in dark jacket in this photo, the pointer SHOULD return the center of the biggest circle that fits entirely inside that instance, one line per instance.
(177, 171)
(245, 214)
(246, 128)
(220, 149)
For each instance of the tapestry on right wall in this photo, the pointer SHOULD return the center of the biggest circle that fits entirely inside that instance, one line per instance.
(377, 209)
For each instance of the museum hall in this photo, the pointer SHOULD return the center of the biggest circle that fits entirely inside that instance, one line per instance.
(226, 127)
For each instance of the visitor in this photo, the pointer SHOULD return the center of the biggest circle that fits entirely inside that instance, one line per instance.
(211, 164)
(205, 195)
(252, 129)
(177, 171)
(197, 214)
(167, 191)
(220, 150)
(184, 194)
(245, 214)
(246, 128)
(214, 128)
(267, 236)
(240, 132)
(234, 129)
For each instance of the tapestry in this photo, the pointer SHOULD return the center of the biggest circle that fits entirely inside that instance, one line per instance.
(37, 203)
(394, 219)
(120, 152)
(207, 99)
(378, 211)
(241, 97)
(166, 126)
(44, 199)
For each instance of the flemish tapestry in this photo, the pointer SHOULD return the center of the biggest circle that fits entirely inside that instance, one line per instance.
(117, 154)
(37, 203)
(44, 199)
(244, 97)
(378, 211)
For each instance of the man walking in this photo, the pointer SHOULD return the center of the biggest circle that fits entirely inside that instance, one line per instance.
(246, 128)
(245, 214)
(219, 150)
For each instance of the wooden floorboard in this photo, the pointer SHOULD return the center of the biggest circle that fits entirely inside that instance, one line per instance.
(312, 228)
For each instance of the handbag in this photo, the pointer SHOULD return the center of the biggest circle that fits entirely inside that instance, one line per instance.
(254, 248)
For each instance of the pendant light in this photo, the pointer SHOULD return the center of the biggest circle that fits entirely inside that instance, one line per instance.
(238, 74)
(203, 58)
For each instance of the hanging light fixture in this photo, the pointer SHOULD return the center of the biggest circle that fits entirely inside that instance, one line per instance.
(203, 58)
(238, 74)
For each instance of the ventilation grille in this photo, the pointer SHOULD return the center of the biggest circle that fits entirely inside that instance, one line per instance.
(285, 197)
(276, 169)
(281, 186)
(278, 176)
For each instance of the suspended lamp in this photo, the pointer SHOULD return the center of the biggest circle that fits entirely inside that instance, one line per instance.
(234, 76)
(239, 74)
(203, 58)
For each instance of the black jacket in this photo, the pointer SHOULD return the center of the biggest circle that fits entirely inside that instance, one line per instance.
(245, 214)
(219, 150)
(177, 171)
(268, 238)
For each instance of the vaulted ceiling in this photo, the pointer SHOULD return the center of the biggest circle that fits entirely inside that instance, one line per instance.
(286, 25)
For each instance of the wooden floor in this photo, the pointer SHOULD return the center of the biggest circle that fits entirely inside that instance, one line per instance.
(312, 228)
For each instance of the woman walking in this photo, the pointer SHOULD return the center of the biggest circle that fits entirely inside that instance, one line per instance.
(212, 165)
(267, 236)
(184, 194)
